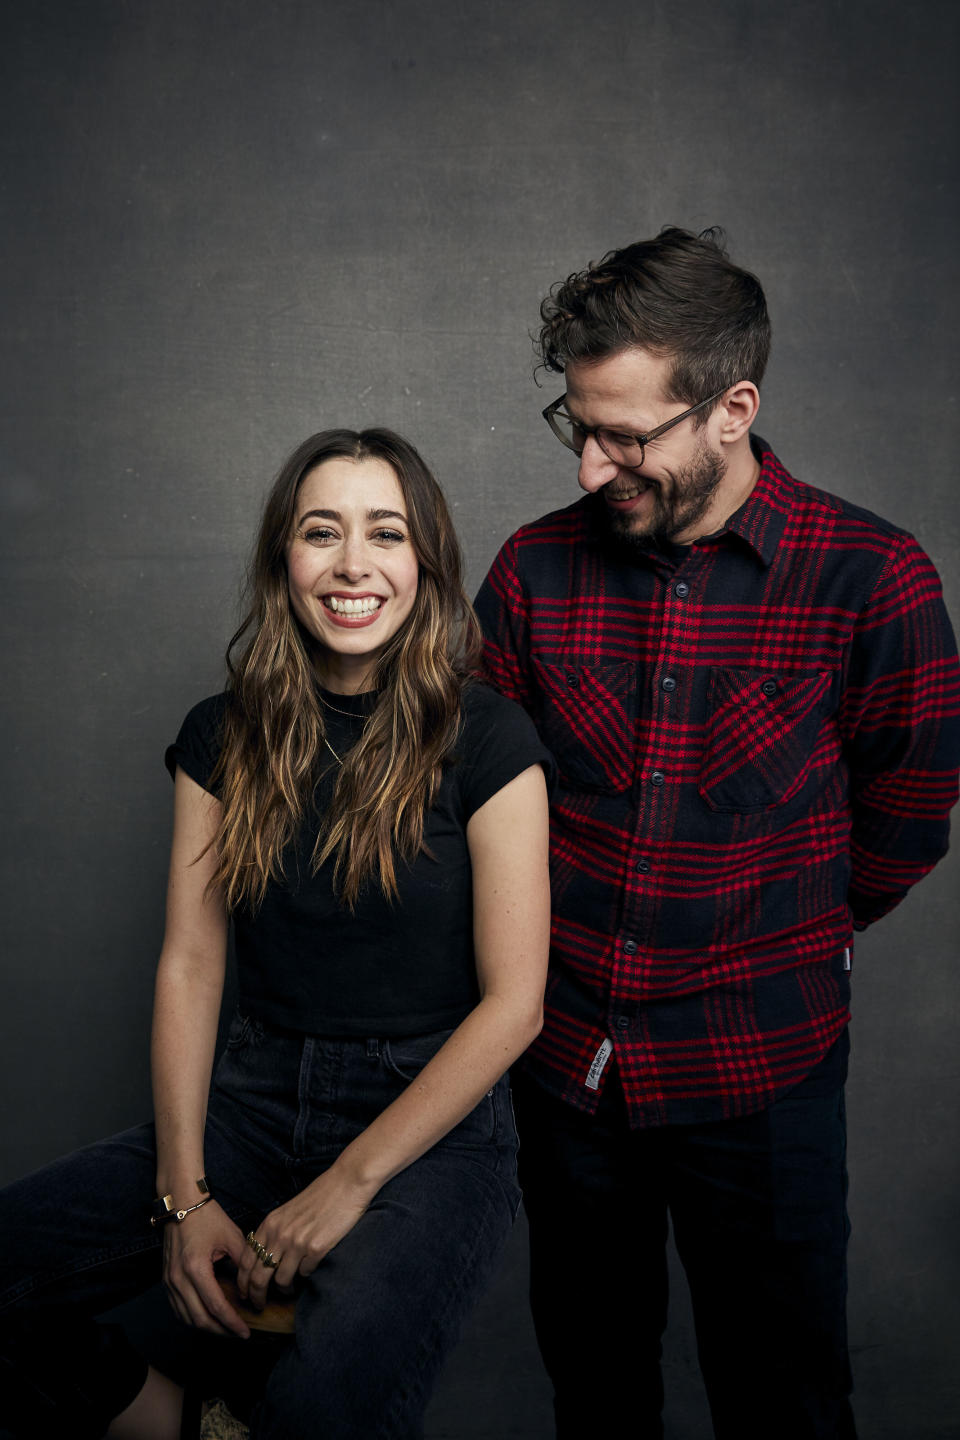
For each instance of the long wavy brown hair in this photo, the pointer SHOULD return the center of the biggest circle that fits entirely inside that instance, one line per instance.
(273, 741)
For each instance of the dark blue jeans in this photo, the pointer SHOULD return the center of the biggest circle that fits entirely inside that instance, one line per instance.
(758, 1206)
(375, 1320)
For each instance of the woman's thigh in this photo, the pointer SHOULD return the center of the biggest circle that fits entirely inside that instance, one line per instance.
(380, 1314)
(79, 1231)
(80, 1227)
(77, 1243)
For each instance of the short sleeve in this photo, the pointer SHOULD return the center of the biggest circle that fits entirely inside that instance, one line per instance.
(497, 744)
(197, 746)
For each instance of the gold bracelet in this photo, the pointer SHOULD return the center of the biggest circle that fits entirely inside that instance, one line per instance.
(164, 1207)
(179, 1215)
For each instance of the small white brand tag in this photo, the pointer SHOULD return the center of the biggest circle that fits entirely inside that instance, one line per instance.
(847, 965)
(592, 1081)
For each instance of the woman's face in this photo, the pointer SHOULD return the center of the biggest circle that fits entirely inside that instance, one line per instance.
(351, 568)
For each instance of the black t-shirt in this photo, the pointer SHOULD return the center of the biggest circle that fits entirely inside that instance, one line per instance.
(304, 961)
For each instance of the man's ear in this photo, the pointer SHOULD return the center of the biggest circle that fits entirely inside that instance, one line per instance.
(737, 411)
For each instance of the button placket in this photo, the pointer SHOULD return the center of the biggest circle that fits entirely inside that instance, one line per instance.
(667, 699)
(669, 682)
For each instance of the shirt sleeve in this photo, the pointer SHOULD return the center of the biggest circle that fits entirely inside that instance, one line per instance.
(497, 744)
(502, 607)
(900, 723)
(197, 746)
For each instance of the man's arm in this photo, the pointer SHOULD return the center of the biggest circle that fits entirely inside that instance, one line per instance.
(900, 722)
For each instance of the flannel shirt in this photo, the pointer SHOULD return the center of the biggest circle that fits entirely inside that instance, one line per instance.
(757, 738)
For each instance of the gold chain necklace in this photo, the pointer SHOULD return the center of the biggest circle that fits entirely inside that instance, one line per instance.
(350, 714)
(331, 749)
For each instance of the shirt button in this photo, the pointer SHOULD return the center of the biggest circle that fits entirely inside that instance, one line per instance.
(642, 867)
(622, 1022)
(657, 778)
(769, 687)
(681, 589)
(573, 682)
(629, 947)
(668, 683)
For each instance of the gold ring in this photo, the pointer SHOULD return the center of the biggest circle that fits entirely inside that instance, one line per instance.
(264, 1255)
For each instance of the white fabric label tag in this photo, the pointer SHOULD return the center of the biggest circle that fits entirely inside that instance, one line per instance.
(592, 1081)
(846, 958)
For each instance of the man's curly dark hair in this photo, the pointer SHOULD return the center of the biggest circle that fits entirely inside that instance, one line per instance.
(677, 295)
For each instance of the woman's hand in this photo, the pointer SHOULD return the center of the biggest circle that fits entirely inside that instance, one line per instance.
(189, 1252)
(300, 1233)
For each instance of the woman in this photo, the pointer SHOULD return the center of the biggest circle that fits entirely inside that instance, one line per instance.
(374, 824)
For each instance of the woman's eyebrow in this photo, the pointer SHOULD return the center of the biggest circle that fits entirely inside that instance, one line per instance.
(336, 515)
(320, 515)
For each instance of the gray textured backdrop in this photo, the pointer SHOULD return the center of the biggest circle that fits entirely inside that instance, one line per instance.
(230, 224)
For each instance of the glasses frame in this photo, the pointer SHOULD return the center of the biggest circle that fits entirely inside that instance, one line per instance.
(549, 414)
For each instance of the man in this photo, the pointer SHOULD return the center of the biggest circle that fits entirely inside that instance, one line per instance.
(751, 690)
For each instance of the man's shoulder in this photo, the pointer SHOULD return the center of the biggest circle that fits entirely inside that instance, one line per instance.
(571, 525)
(815, 516)
(813, 505)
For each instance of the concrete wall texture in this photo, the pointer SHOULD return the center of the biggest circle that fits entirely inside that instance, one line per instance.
(229, 224)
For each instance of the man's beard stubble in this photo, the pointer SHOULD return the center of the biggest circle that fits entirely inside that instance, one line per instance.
(692, 489)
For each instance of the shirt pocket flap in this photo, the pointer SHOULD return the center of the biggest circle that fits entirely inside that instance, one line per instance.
(762, 729)
(588, 719)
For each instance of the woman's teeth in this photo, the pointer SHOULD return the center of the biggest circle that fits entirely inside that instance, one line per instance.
(343, 606)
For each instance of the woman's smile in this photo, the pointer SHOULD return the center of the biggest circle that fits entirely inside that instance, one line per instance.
(353, 610)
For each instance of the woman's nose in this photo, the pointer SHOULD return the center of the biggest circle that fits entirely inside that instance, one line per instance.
(353, 560)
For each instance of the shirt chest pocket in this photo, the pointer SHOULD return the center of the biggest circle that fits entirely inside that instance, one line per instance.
(761, 733)
(588, 719)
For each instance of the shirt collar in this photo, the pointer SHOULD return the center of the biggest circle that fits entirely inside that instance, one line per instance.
(762, 517)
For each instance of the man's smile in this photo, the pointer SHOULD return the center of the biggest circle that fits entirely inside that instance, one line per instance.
(624, 493)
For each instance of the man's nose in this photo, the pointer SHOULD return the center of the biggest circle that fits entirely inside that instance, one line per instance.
(596, 467)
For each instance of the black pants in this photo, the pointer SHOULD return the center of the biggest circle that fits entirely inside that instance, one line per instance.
(758, 1206)
(374, 1321)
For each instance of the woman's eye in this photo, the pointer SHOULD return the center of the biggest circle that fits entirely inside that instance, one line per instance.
(389, 537)
(317, 535)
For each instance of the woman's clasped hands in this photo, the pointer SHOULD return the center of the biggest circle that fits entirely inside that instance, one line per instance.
(292, 1239)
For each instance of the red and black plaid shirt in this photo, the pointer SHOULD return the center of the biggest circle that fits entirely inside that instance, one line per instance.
(757, 738)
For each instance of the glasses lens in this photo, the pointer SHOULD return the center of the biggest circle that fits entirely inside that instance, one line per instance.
(565, 429)
(622, 449)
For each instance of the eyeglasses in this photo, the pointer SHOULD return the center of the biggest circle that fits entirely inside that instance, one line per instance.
(619, 446)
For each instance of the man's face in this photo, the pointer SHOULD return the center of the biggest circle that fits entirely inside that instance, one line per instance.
(674, 493)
